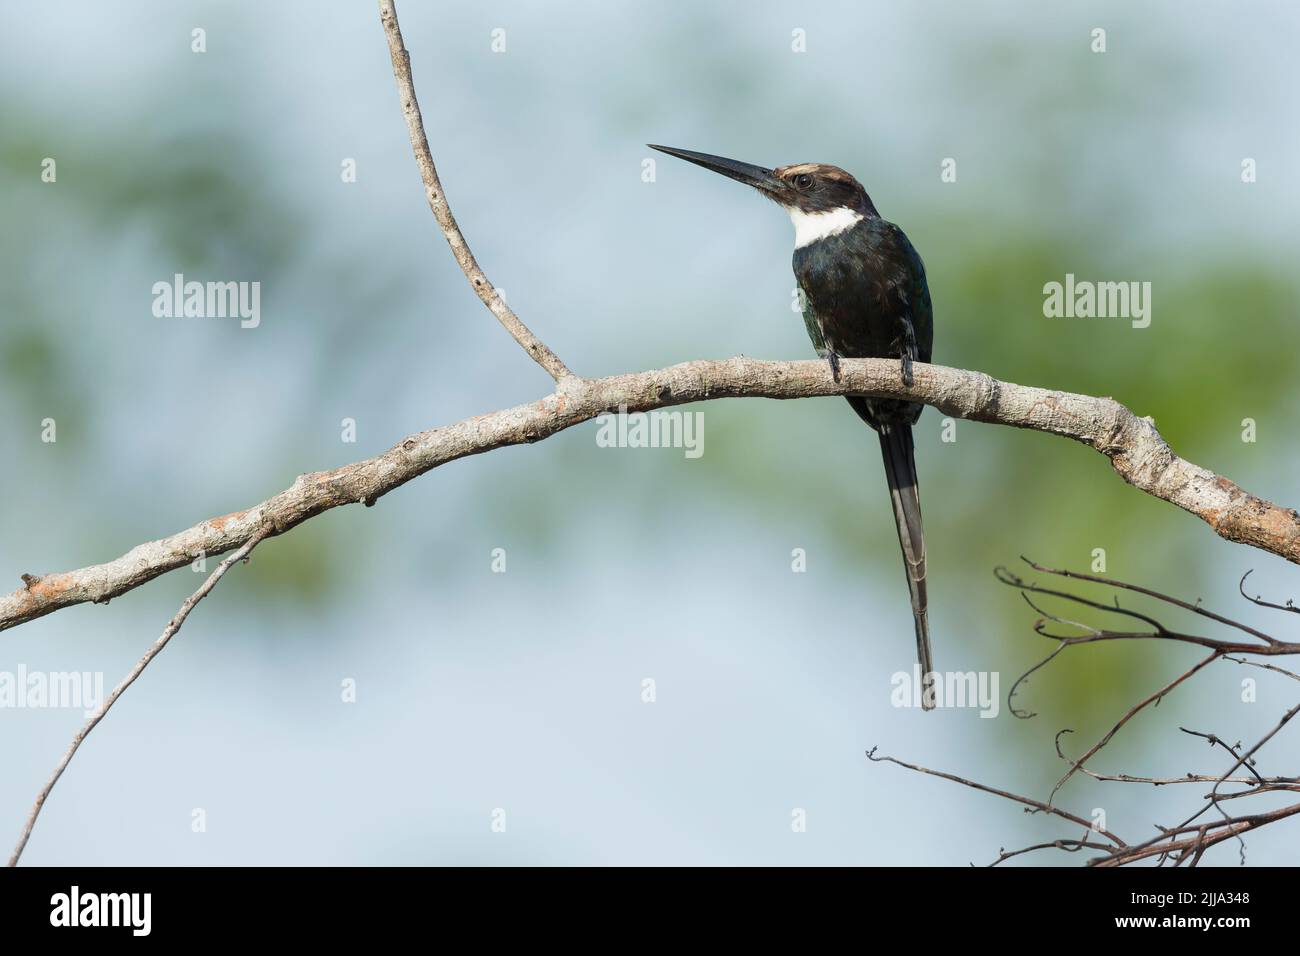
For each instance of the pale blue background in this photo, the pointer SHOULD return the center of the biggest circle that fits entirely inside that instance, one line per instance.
(522, 690)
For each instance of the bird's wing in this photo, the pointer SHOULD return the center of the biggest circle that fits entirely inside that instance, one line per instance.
(913, 292)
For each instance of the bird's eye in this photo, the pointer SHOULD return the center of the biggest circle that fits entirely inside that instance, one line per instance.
(803, 181)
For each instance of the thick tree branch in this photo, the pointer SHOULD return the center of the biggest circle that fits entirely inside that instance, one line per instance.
(442, 212)
(1133, 445)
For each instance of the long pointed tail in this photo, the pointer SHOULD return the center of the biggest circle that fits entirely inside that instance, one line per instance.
(900, 471)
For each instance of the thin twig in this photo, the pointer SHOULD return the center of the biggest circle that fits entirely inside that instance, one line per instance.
(1244, 758)
(1229, 828)
(1270, 785)
(1170, 781)
(1158, 595)
(1069, 846)
(1038, 805)
(484, 289)
(1216, 741)
(1259, 600)
(1159, 631)
(154, 650)
(1024, 679)
(1267, 667)
(1076, 765)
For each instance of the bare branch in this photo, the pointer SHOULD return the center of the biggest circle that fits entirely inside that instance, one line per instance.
(154, 650)
(1268, 667)
(1159, 596)
(1158, 630)
(1024, 679)
(1216, 741)
(1187, 842)
(1069, 846)
(1259, 600)
(1244, 759)
(1135, 448)
(442, 212)
(1203, 839)
(1076, 765)
(1037, 805)
(1270, 785)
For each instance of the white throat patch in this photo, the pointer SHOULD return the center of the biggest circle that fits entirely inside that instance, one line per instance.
(812, 226)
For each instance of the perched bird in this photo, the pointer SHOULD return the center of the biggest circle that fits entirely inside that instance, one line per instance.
(865, 296)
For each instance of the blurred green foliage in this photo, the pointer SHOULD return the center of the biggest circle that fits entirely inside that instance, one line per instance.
(210, 197)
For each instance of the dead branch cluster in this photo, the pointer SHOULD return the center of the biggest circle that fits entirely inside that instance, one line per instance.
(1176, 843)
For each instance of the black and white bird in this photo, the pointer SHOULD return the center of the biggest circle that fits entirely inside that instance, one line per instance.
(865, 296)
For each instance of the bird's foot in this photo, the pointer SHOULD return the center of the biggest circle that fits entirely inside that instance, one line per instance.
(907, 370)
(834, 361)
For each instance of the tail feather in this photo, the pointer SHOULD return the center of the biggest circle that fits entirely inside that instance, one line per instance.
(900, 471)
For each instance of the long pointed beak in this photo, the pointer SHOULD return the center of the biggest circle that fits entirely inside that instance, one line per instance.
(761, 179)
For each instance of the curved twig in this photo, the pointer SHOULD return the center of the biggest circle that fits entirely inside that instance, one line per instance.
(154, 650)
(484, 289)
(1259, 600)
